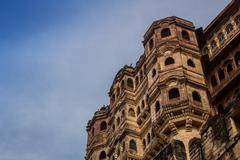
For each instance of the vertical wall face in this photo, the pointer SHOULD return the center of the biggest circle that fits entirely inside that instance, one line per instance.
(220, 135)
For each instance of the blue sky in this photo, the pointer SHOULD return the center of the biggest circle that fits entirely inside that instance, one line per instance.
(57, 62)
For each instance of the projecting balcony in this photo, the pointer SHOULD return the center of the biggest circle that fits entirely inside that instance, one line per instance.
(228, 79)
(153, 148)
(143, 116)
(178, 111)
(230, 36)
(98, 139)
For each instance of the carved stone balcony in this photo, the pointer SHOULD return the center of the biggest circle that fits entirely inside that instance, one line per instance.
(143, 116)
(228, 79)
(153, 148)
(228, 40)
(97, 140)
(180, 111)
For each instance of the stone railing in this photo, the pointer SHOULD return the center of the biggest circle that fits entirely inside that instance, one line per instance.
(225, 82)
(183, 109)
(229, 37)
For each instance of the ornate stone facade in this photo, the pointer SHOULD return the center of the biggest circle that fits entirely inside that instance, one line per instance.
(182, 99)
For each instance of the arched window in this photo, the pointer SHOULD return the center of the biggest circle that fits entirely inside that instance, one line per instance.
(157, 106)
(153, 135)
(221, 38)
(103, 126)
(141, 75)
(113, 98)
(213, 81)
(151, 44)
(130, 83)
(144, 143)
(118, 121)
(154, 72)
(136, 81)
(213, 45)
(118, 91)
(145, 68)
(147, 98)
(123, 113)
(229, 68)
(133, 145)
(185, 35)
(92, 131)
(196, 96)
(165, 32)
(190, 63)
(138, 110)
(237, 19)
(169, 61)
(148, 138)
(179, 149)
(131, 112)
(221, 74)
(195, 149)
(122, 85)
(237, 58)
(143, 104)
(229, 28)
(102, 155)
(173, 93)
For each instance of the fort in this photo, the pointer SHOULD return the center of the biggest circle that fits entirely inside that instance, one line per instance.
(182, 99)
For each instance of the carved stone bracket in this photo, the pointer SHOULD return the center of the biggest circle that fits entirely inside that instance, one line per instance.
(173, 128)
(188, 125)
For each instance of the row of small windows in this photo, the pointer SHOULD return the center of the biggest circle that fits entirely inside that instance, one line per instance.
(172, 94)
(166, 32)
(195, 148)
(131, 113)
(142, 106)
(228, 68)
(221, 36)
(130, 83)
(132, 146)
(138, 79)
(147, 141)
(170, 61)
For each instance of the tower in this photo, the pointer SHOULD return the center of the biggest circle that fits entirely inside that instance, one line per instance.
(178, 94)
